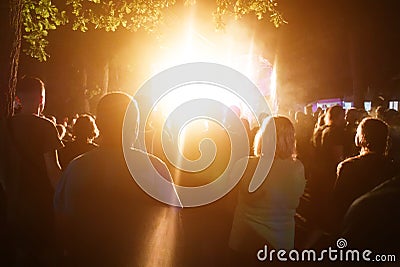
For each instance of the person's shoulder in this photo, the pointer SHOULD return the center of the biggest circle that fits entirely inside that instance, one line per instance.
(94, 156)
(292, 162)
(298, 167)
(89, 161)
(140, 154)
(390, 186)
(43, 121)
(141, 159)
(45, 125)
(297, 163)
(365, 203)
(84, 158)
(31, 118)
(349, 162)
(385, 189)
(334, 131)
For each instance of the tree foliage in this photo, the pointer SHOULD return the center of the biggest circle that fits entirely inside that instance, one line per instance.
(111, 15)
(239, 8)
(39, 17)
(42, 16)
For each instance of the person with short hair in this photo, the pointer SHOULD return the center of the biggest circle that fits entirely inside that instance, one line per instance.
(32, 172)
(107, 219)
(360, 174)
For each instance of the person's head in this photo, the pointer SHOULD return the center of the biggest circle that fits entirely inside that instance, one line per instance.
(380, 112)
(318, 112)
(308, 110)
(85, 129)
(390, 116)
(352, 116)
(300, 117)
(285, 137)
(335, 116)
(372, 135)
(111, 111)
(31, 92)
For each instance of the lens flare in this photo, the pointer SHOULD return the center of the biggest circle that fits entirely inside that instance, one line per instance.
(202, 110)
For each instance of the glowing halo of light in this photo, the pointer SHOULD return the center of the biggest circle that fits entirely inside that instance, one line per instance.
(208, 73)
(185, 165)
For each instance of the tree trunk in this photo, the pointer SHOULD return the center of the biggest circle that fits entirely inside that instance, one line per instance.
(11, 19)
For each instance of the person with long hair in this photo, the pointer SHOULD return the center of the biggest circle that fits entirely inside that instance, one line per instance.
(266, 216)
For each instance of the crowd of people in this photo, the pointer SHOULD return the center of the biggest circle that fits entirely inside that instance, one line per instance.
(67, 197)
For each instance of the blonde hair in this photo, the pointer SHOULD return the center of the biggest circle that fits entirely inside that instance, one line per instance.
(285, 142)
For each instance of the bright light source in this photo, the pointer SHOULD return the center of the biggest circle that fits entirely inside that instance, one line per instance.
(189, 92)
(368, 105)
(394, 105)
(347, 105)
(273, 96)
(224, 48)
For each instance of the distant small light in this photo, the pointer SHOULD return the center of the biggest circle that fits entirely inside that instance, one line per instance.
(367, 105)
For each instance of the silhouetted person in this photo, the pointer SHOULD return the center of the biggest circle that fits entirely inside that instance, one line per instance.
(316, 147)
(32, 172)
(317, 133)
(332, 144)
(107, 219)
(360, 174)
(392, 118)
(304, 129)
(352, 119)
(266, 216)
(84, 131)
(373, 220)
(329, 153)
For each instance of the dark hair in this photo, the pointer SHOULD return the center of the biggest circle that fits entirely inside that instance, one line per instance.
(85, 128)
(334, 114)
(373, 134)
(299, 117)
(30, 86)
(111, 111)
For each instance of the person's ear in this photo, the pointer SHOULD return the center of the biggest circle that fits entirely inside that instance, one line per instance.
(357, 140)
(42, 101)
(41, 106)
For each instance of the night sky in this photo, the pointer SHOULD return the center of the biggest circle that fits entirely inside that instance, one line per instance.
(327, 49)
(332, 47)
